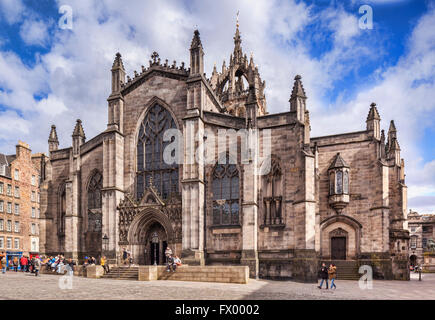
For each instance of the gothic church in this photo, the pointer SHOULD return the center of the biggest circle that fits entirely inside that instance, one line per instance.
(332, 198)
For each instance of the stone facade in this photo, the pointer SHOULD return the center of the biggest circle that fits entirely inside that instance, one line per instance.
(278, 206)
(19, 201)
(422, 237)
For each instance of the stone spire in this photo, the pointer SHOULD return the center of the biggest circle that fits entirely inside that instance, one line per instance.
(196, 55)
(237, 42)
(298, 99)
(118, 74)
(53, 141)
(374, 122)
(78, 137)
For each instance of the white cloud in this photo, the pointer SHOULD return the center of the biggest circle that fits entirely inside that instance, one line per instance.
(12, 10)
(34, 32)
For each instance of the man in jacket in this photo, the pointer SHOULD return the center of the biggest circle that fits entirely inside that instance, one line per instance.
(23, 263)
(36, 265)
(3, 262)
(323, 275)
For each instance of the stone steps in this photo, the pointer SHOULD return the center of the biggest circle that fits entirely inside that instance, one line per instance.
(346, 269)
(122, 273)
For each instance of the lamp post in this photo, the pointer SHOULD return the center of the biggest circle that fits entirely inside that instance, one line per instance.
(105, 244)
(155, 241)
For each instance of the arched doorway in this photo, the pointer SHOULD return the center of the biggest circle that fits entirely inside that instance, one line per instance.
(155, 244)
(413, 260)
(150, 233)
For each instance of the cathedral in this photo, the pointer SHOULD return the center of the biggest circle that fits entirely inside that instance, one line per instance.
(281, 203)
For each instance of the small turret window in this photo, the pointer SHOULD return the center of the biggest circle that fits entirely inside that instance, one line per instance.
(339, 182)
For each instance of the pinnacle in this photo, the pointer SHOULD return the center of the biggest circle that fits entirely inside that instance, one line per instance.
(298, 88)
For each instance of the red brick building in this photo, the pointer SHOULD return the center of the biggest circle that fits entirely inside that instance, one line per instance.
(19, 201)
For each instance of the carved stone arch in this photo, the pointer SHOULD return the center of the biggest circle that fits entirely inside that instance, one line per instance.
(144, 220)
(341, 226)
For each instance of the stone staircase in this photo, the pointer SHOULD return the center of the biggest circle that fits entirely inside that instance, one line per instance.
(346, 269)
(122, 273)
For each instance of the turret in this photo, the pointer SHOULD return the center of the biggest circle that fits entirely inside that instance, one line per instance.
(196, 55)
(374, 122)
(78, 137)
(53, 141)
(298, 99)
(118, 74)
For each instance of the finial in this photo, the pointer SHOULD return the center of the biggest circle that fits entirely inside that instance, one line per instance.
(237, 19)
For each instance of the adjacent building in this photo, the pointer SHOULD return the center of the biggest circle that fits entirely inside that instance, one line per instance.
(422, 236)
(310, 199)
(19, 201)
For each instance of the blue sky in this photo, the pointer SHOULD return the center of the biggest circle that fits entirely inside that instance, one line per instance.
(51, 75)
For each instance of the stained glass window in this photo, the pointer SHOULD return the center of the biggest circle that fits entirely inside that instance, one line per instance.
(94, 191)
(225, 187)
(150, 148)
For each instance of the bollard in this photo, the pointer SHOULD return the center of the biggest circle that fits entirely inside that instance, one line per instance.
(419, 274)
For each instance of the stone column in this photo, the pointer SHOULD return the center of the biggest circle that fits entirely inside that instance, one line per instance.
(113, 189)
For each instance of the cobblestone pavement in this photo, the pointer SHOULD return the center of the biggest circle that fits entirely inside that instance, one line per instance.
(46, 286)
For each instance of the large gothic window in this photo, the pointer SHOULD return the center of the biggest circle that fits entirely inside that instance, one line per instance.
(94, 202)
(150, 147)
(225, 194)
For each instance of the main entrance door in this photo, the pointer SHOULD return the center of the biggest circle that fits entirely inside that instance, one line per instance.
(338, 248)
(156, 241)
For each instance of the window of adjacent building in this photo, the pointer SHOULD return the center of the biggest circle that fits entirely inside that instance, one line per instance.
(16, 174)
(2, 243)
(3, 170)
(413, 242)
(17, 226)
(9, 243)
(17, 192)
(225, 189)
(33, 212)
(9, 190)
(9, 208)
(1, 206)
(33, 228)
(413, 229)
(427, 229)
(16, 243)
(39, 197)
(34, 244)
(17, 209)
(9, 226)
(33, 180)
(39, 213)
(2, 225)
(32, 197)
(1, 187)
(424, 242)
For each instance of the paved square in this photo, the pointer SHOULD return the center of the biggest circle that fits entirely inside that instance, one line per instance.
(19, 286)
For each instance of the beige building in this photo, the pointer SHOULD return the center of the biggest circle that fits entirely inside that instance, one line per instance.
(422, 236)
(19, 201)
(280, 206)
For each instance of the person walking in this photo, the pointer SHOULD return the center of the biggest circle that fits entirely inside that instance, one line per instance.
(23, 263)
(323, 275)
(36, 265)
(15, 264)
(332, 271)
(124, 255)
(3, 262)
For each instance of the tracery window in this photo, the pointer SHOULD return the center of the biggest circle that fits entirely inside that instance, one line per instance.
(225, 187)
(94, 202)
(62, 211)
(94, 191)
(150, 148)
(273, 188)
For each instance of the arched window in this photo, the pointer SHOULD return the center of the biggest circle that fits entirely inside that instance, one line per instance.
(94, 202)
(273, 194)
(150, 147)
(225, 194)
(94, 191)
(62, 211)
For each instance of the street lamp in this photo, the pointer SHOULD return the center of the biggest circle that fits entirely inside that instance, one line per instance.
(155, 241)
